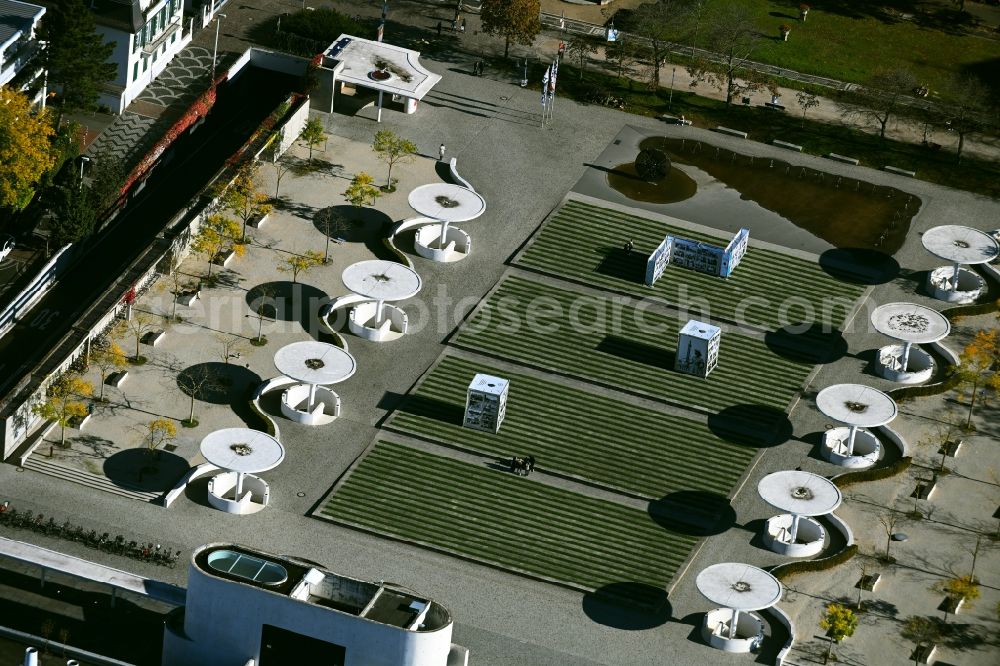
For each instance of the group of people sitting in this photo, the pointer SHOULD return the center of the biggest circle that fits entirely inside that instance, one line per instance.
(522, 466)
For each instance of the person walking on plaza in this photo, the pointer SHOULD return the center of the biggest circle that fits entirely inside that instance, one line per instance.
(441, 153)
(439, 28)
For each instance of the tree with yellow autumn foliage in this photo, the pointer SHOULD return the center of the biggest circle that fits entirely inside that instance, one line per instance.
(26, 151)
(62, 401)
(978, 368)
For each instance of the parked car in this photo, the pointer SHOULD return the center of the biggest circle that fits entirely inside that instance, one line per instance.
(6, 245)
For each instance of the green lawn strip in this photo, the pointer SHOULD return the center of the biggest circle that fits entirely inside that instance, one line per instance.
(506, 520)
(623, 348)
(577, 433)
(582, 241)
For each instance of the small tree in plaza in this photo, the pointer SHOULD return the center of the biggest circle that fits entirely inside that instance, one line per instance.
(330, 223)
(218, 233)
(109, 357)
(231, 346)
(244, 199)
(139, 325)
(806, 101)
(300, 263)
(959, 588)
(839, 622)
(974, 373)
(923, 631)
(197, 382)
(515, 20)
(313, 135)
(362, 190)
(157, 433)
(581, 48)
(62, 402)
(281, 167)
(392, 149)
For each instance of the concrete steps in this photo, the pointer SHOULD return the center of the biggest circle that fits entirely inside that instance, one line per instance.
(95, 481)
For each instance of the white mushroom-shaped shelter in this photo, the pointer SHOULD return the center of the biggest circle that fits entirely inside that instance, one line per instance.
(958, 245)
(858, 406)
(242, 452)
(738, 589)
(314, 365)
(445, 204)
(802, 495)
(911, 324)
(374, 282)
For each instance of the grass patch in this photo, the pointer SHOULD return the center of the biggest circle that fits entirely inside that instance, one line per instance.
(577, 433)
(190, 423)
(582, 241)
(506, 520)
(623, 347)
(138, 360)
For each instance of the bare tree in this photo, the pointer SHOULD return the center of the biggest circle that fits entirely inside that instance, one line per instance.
(734, 36)
(806, 101)
(890, 520)
(664, 24)
(971, 110)
(331, 223)
(232, 346)
(581, 48)
(884, 95)
(866, 565)
(138, 325)
(282, 165)
(264, 299)
(197, 382)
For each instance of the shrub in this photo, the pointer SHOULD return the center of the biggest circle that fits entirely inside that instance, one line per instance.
(873, 474)
(784, 571)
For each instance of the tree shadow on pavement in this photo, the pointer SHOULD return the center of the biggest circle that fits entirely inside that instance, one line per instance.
(140, 469)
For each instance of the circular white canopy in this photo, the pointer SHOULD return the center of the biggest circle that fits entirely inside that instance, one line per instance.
(447, 202)
(856, 405)
(962, 245)
(910, 322)
(314, 362)
(738, 586)
(381, 280)
(801, 493)
(242, 450)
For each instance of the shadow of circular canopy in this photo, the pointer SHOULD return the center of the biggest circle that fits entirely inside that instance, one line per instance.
(756, 426)
(808, 343)
(216, 382)
(628, 605)
(859, 265)
(693, 512)
(140, 469)
(286, 301)
(353, 224)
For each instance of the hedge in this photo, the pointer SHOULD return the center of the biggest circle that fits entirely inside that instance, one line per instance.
(785, 571)
(873, 474)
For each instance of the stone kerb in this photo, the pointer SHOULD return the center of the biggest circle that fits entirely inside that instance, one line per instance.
(786, 621)
(453, 168)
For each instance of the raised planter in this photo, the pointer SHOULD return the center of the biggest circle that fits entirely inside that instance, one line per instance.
(257, 221)
(153, 338)
(223, 258)
(970, 285)
(116, 379)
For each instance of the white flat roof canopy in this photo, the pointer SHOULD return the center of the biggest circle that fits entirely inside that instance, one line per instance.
(314, 362)
(447, 202)
(242, 450)
(381, 280)
(738, 586)
(856, 405)
(801, 493)
(362, 58)
(910, 322)
(960, 245)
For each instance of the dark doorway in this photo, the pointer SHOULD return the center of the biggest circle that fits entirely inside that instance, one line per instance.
(279, 647)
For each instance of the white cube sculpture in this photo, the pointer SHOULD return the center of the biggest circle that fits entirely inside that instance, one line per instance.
(486, 403)
(697, 348)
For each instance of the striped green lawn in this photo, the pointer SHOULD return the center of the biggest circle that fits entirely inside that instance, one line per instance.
(606, 346)
(577, 433)
(506, 520)
(583, 242)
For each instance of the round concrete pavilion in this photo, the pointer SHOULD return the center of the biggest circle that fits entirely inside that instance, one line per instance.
(739, 589)
(802, 495)
(858, 406)
(314, 365)
(378, 281)
(242, 452)
(910, 324)
(958, 245)
(447, 204)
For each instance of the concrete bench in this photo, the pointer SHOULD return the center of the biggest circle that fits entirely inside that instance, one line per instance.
(116, 379)
(843, 158)
(731, 132)
(257, 221)
(674, 120)
(786, 144)
(187, 298)
(223, 258)
(153, 338)
(901, 172)
(775, 106)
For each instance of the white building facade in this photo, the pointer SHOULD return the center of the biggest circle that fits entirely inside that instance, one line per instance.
(147, 34)
(18, 45)
(246, 606)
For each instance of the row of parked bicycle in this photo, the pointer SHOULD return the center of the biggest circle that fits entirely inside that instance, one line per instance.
(118, 545)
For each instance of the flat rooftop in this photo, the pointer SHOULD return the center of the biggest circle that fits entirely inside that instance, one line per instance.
(362, 58)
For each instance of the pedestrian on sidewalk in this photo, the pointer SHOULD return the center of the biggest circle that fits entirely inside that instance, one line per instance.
(462, 26)
(439, 28)
(441, 153)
